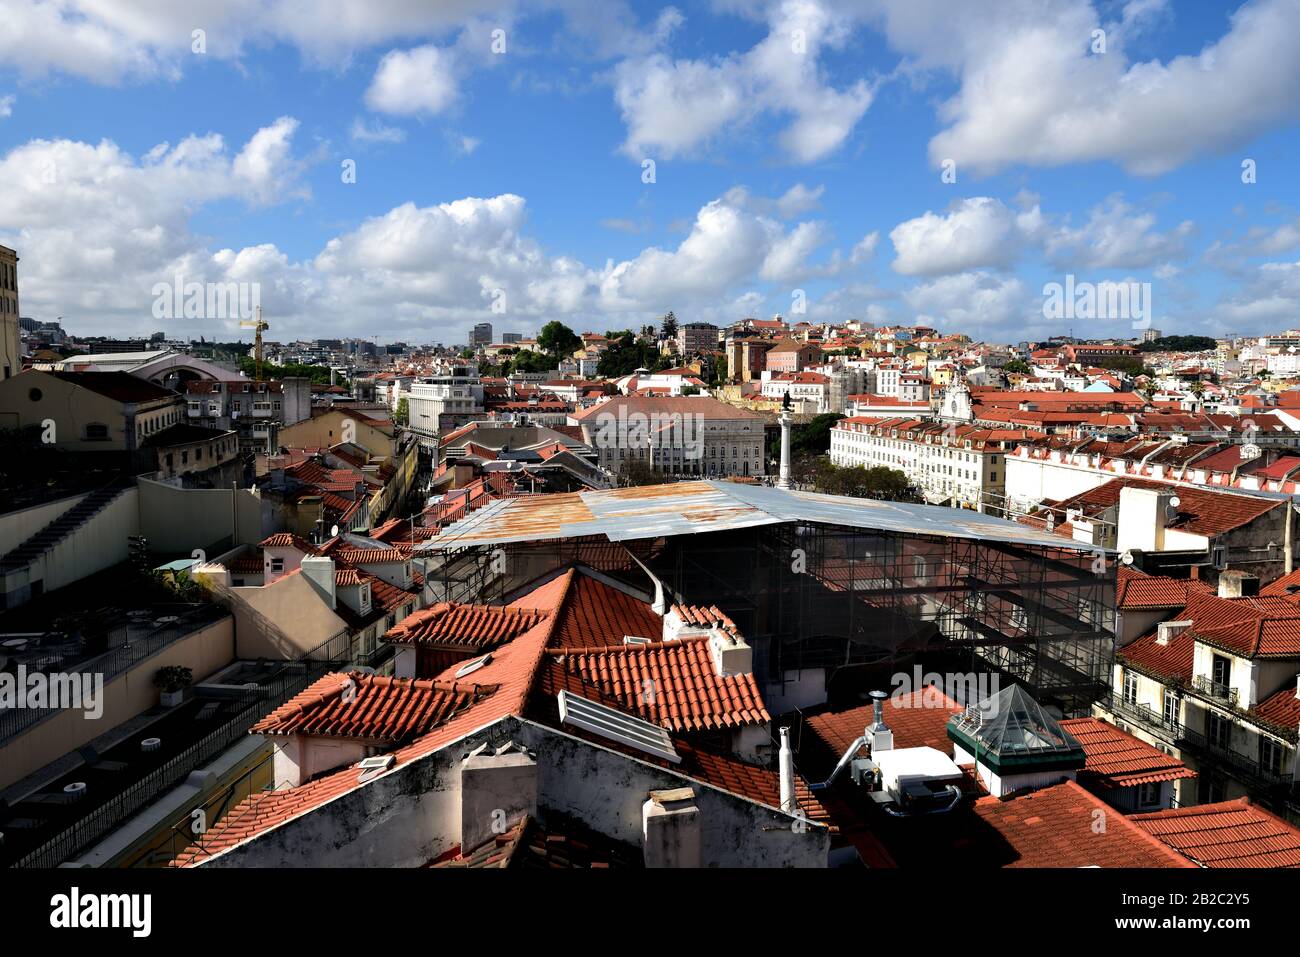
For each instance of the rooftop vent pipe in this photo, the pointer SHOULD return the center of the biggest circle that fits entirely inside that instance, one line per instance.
(786, 759)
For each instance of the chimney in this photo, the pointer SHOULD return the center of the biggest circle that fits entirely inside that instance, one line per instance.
(670, 827)
(1170, 629)
(879, 735)
(319, 570)
(498, 789)
(1144, 514)
(732, 655)
(1235, 583)
(788, 803)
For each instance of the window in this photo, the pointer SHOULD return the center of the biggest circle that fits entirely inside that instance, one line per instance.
(1218, 730)
(1270, 756)
(1170, 712)
(1148, 795)
(277, 564)
(1221, 673)
(96, 432)
(1130, 687)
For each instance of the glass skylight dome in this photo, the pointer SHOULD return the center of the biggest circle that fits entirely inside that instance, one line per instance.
(1011, 733)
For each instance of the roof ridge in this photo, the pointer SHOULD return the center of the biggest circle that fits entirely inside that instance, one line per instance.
(627, 649)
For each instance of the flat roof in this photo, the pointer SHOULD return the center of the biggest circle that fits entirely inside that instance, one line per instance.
(687, 508)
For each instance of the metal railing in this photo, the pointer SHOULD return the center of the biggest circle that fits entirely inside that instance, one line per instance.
(1247, 767)
(110, 664)
(1217, 690)
(269, 695)
(1146, 715)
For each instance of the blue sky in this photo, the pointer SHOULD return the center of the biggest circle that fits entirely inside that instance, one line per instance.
(798, 150)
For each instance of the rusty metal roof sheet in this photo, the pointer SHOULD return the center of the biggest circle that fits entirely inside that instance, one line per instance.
(686, 508)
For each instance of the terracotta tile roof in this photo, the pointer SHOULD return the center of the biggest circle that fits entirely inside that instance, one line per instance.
(370, 556)
(596, 614)
(247, 564)
(1287, 586)
(1228, 834)
(1172, 660)
(1280, 711)
(1057, 827)
(701, 616)
(290, 540)
(371, 708)
(673, 684)
(529, 845)
(1138, 591)
(918, 719)
(1265, 626)
(1200, 511)
(474, 626)
(511, 669)
(347, 576)
(1116, 759)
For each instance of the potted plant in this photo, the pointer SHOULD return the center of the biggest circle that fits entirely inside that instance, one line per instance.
(172, 682)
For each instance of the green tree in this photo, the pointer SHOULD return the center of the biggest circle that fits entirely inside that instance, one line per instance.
(1179, 344)
(402, 414)
(878, 482)
(668, 325)
(1017, 365)
(558, 340)
(625, 354)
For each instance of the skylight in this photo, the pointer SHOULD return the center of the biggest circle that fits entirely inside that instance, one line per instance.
(616, 726)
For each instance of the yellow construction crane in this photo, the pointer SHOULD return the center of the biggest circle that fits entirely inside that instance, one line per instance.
(258, 325)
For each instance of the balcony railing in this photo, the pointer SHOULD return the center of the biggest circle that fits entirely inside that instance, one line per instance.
(1148, 716)
(1244, 766)
(1216, 690)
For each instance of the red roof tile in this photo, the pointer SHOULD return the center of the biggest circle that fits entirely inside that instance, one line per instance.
(372, 708)
(673, 684)
(475, 626)
(1280, 711)
(1058, 827)
(1137, 590)
(1116, 759)
(1227, 834)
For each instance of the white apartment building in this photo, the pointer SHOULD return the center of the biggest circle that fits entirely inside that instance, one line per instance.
(444, 401)
(808, 391)
(962, 465)
(683, 435)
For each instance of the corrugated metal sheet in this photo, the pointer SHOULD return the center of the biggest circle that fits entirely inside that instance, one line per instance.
(688, 508)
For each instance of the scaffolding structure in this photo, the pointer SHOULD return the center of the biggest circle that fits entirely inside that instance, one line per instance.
(852, 601)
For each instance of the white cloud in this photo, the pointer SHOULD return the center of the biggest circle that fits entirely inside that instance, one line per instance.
(974, 233)
(113, 42)
(1031, 91)
(677, 107)
(1116, 236)
(7, 105)
(97, 227)
(414, 82)
(970, 300)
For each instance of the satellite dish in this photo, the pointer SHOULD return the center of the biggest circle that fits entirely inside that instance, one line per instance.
(334, 531)
(1127, 558)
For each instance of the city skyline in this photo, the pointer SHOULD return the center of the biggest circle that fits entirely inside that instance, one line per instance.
(406, 176)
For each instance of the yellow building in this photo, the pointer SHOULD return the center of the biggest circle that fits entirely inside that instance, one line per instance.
(88, 411)
(11, 357)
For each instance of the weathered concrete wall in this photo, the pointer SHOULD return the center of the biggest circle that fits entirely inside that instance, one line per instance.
(411, 815)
